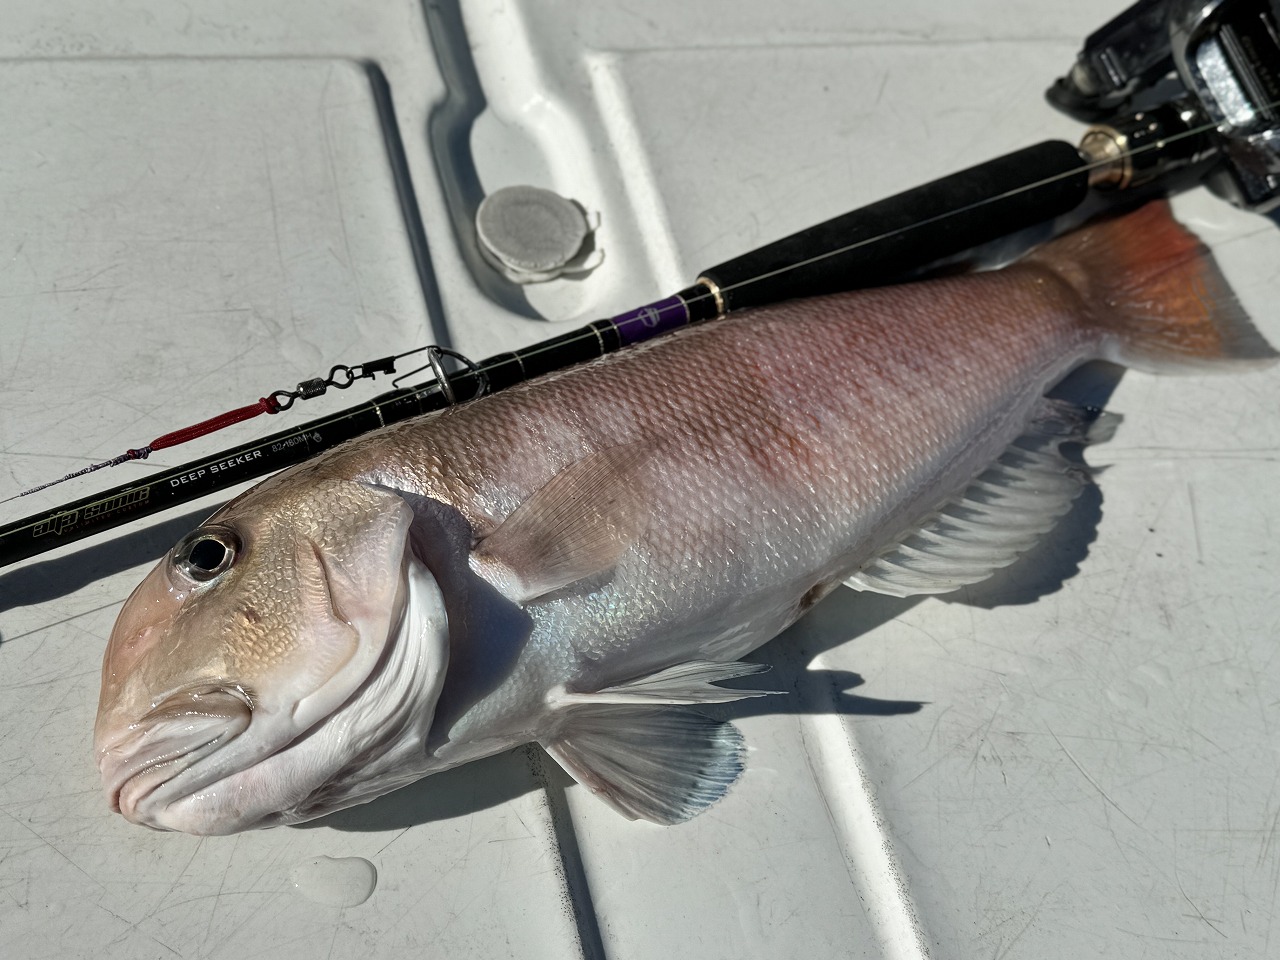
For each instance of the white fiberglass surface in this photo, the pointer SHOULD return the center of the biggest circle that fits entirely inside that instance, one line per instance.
(200, 207)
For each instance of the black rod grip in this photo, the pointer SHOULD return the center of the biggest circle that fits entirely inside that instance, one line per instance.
(880, 243)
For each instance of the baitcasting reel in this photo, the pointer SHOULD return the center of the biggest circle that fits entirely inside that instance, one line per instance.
(1195, 81)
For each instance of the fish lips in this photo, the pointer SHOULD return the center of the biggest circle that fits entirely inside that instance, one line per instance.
(160, 750)
(207, 746)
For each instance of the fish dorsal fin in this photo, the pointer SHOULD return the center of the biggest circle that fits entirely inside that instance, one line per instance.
(996, 518)
(577, 526)
(663, 765)
(685, 683)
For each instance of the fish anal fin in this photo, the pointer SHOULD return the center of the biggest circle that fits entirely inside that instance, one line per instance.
(658, 764)
(576, 526)
(999, 516)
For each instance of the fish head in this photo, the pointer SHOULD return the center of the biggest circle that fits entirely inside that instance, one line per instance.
(237, 682)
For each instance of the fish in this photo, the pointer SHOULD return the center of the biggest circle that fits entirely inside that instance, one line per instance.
(579, 560)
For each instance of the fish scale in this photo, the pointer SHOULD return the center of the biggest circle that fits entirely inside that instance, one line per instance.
(698, 395)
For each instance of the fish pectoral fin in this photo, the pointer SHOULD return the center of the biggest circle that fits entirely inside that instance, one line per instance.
(999, 516)
(684, 683)
(657, 764)
(577, 526)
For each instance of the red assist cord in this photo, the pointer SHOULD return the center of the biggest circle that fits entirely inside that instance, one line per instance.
(340, 377)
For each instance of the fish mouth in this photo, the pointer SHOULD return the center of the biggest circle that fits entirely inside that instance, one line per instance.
(163, 747)
(186, 764)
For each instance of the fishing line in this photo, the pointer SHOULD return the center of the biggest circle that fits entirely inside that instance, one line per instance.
(879, 260)
(282, 400)
(340, 377)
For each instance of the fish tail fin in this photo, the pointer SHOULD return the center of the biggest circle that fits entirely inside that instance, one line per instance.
(1152, 288)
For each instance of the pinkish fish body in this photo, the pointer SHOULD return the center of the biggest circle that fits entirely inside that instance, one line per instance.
(574, 560)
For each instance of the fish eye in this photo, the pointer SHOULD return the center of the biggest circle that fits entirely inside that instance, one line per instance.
(206, 553)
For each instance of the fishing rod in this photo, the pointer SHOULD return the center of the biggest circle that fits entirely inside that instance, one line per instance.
(1156, 110)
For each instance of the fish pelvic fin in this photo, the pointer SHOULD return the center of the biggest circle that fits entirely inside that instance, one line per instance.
(999, 516)
(664, 765)
(1156, 295)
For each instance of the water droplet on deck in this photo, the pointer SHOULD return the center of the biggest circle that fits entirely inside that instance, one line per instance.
(335, 881)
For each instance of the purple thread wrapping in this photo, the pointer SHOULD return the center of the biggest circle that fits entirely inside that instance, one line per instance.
(651, 320)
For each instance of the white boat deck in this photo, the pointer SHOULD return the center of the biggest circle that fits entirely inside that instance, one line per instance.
(201, 203)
